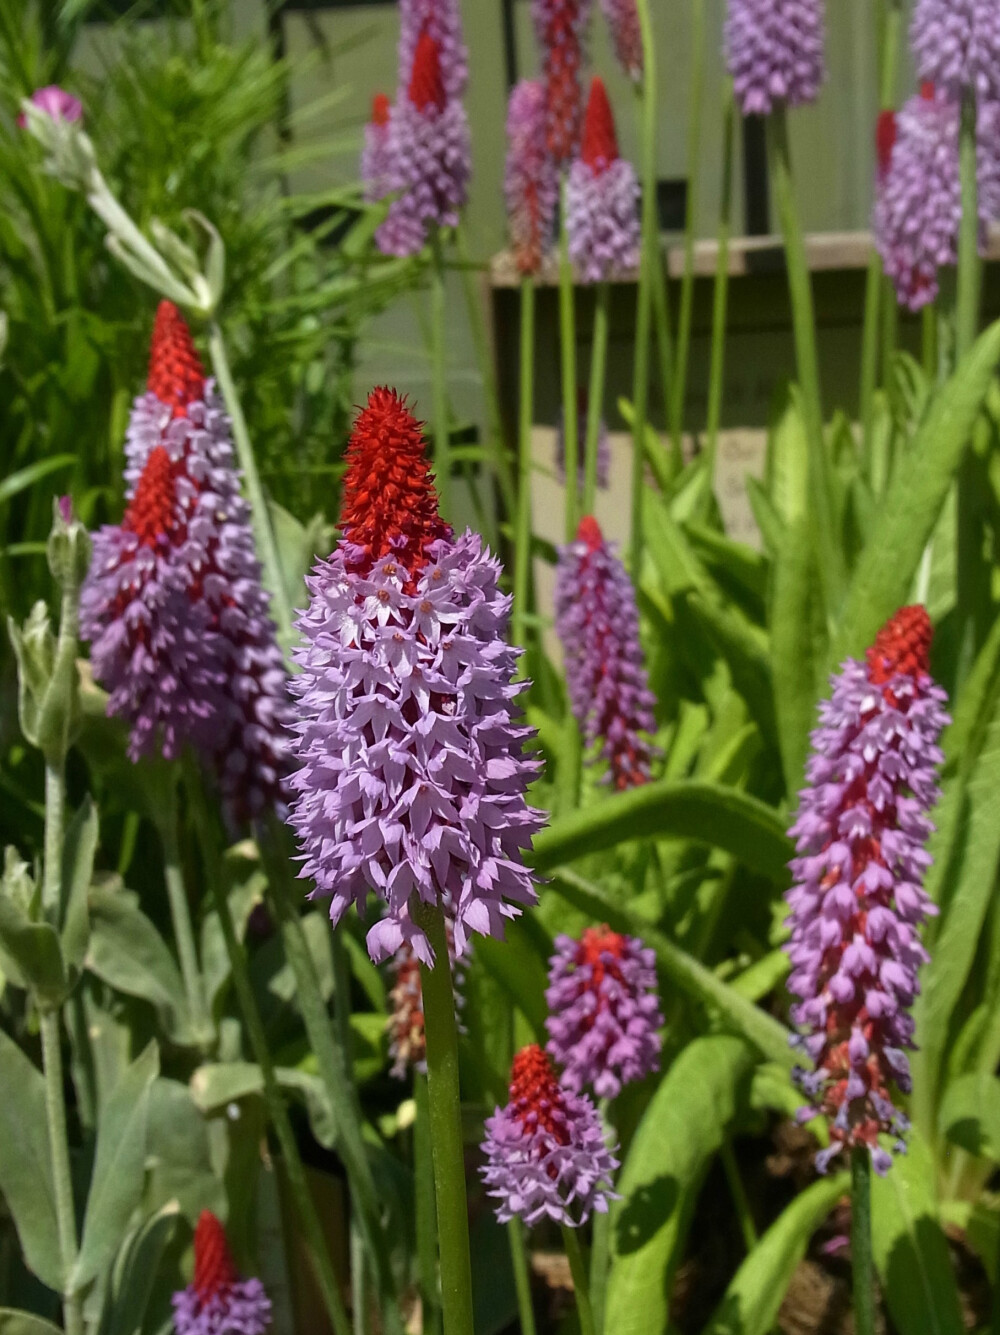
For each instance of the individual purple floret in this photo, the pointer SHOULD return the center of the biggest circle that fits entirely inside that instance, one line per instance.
(531, 186)
(857, 902)
(375, 156)
(441, 20)
(428, 157)
(626, 36)
(956, 45)
(775, 53)
(603, 445)
(602, 198)
(545, 1152)
(217, 1301)
(604, 1011)
(412, 779)
(598, 625)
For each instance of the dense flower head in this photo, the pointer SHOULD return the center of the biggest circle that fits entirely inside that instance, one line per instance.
(375, 161)
(604, 1011)
(603, 444)
(774, 51)
(626, 36)
(956, 44)
(217, 1301)
(545, 1152)
(441, 21)
(427, 155)
(918, 205)
(858, 901)
(598, 625)
(412, 779)
(173, 604)
(55, 102)
(560, 27)
(531, 187)
(602, 198)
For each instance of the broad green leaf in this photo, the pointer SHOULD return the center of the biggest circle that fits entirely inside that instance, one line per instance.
(128, 953)
(970, 1114)
(34, 949)
(745, 650)
(24, 1323)
(885, 569)
(680, 969)
(178, 1154)
(135, 1272)
(752, 1300)
(517, 966)
(119, 1164)
(683, 1127)
(217, 1084)
(730, 561)
(25, 1166)
(910, 1249)
(720, 817)
(770, 523)
(787, 465)
(798, 646)
(79, 849)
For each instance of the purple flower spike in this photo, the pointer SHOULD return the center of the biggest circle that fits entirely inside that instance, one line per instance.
(858, 902)
(428, 157)
(956, 45)
(217, 1301)
(412, 780)
(598, 624)
(57, 103)
(530, 185)
(626, 36)
(545, 1152)
(604, 1012)
(774, 51)
(602, 198)
(441, 20)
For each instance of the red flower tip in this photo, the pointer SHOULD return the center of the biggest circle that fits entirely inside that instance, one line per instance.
(885, 139)
(214, 1268)
(151, 512)
(389, 503)
(380, 109)
(600, 146)
(927, 91)
(535, 1094)
(902, 646)
(595, 944)
(176, 375)
(589, 532)
(426, 84)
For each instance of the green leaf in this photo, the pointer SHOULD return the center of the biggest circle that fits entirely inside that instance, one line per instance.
(752, 1300)
(135, 1272)
(798, 646)
(684, 1125)
(79, 848)
(910, 1249)
(970, 1114)
(25, 1166)
(745, 650)
(680, 969)
(35, 951)
(707, 813)
(217, 1084)
(119, 1164)
(517, 966)
(24, 478)
(24, 1323)
(128, 953)
(906, 519)
(178, 1153)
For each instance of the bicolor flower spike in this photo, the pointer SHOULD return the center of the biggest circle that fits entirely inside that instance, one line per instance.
(857, 903)
(560, 26)
(775, 53)
(598, 625)
(956, 45)
(441, 20)
(412, 779)
(427, 154)
(604, 1011)
(173, 604)
(602, 198)
(531, 187)
(217, 1301)
(545, 1152)
(626, 36)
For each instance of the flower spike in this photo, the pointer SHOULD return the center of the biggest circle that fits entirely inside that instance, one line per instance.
(602, 198)
(217, 1301)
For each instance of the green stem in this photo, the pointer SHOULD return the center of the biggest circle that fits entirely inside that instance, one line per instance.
(423, 1184)
(439, 375)
(869, 350)
(720, 297)
(861, 1242)
(578, 1270)
(929, 343)
(444, 1101)
(970, 269)
(55, 822)
(62, 1179)
(743, 1212)
(821, 479)
(180, 915)
(595, 397)
(267, 547)
(360, 1306)
(567, 352)
(600, 1256)
(649, 257)
(522, 1276)
(522, 531)
(678, 389)
(330, 1044)
(308, 1216)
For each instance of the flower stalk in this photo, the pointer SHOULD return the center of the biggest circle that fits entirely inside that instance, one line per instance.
(567, 353)
(439, 374)
(62, 1177)
(861, 1242)
(595, 396)
(522, 532)
(581, 1285)
(720, 295)
(649, 257)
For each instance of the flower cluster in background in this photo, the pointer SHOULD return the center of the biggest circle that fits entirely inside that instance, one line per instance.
(602, 198)
(775, 53)
(217, 1301)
